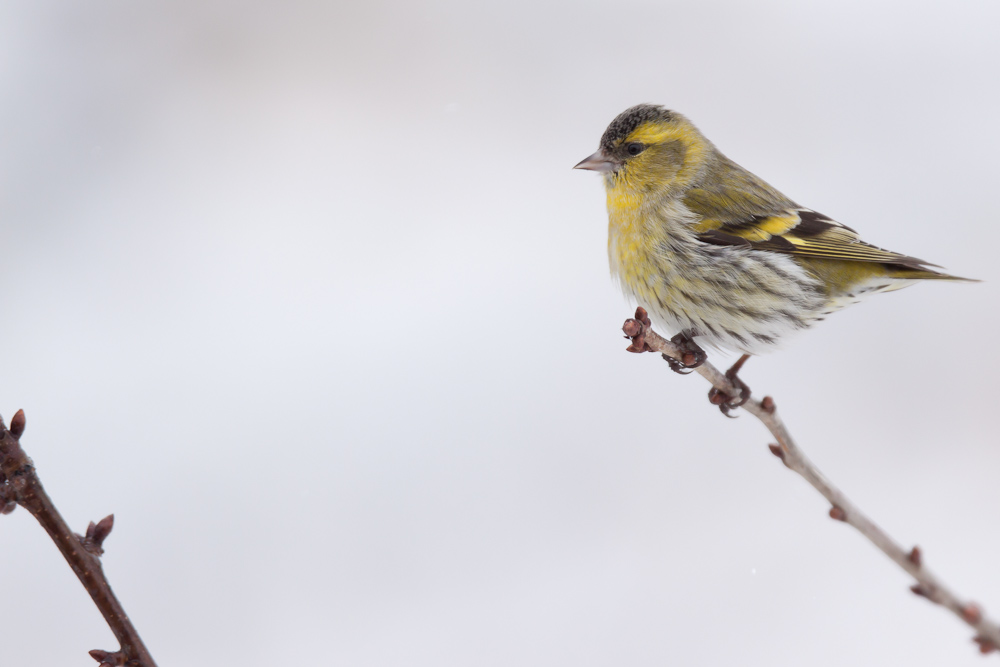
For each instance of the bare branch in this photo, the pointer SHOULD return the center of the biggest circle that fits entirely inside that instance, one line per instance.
(644, 339)
(19, 484)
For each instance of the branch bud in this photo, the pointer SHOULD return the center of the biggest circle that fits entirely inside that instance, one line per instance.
(93, 541)
(17, 424)
(972, 613)
(985, 645)
(107, 659)
(632, 328)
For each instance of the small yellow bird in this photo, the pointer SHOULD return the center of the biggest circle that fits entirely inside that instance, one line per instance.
(715, 253)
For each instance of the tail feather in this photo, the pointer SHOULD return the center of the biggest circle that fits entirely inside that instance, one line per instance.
(926, 274)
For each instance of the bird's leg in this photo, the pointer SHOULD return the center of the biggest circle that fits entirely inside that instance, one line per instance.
(692, 355)
(724, 400)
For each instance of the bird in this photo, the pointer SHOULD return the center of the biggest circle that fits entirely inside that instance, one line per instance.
(717, 255)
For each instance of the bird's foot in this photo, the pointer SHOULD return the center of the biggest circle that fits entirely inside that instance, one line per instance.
(724, 400)
(692, 355)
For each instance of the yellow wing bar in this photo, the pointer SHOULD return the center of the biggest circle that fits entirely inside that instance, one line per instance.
(802, 232)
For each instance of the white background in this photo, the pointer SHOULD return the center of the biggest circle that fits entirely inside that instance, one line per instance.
(308, 296)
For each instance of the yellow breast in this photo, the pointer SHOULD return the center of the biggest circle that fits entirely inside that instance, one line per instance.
(635, 240)
(652, 252)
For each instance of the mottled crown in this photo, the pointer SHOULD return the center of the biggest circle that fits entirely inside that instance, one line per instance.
(628, 120)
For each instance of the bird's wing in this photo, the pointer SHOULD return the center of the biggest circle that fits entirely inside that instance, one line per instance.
(804, 232)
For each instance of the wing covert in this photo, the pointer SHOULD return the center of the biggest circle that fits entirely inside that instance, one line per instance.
(804, 232)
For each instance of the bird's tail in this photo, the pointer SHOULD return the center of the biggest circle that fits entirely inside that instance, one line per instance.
(927, 274)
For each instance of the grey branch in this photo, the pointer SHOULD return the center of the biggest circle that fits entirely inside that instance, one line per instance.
(928, 585)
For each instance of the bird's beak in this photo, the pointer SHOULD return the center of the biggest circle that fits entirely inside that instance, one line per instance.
(597, 162)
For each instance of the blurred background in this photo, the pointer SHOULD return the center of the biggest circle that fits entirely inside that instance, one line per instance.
(308, 296)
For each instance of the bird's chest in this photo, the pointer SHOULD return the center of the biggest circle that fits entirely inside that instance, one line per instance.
(646, 254)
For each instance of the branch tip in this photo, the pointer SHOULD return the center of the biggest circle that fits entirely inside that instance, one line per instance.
(838, 514)
(17, 424)
(632, 328)
(636, 330)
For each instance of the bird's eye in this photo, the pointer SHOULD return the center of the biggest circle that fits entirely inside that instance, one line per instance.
(635, 148)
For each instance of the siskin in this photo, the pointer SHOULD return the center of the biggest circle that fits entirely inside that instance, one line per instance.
(717, 254)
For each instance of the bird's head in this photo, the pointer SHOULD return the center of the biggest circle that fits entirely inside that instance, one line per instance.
(650, 151)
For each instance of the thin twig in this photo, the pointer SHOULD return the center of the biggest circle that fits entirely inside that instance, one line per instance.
(19, 484)
(842, 509)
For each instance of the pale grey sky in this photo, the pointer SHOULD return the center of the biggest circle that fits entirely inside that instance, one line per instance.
(308, 295)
